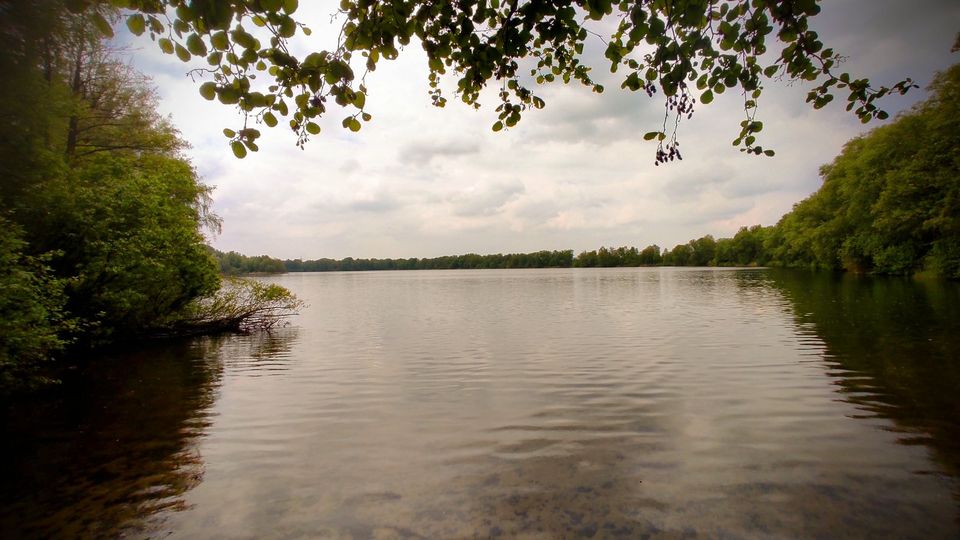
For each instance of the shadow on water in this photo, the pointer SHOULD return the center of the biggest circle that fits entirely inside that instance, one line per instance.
(117, 442)
(893, 346)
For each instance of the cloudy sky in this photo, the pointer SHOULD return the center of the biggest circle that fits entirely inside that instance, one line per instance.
(421, 182)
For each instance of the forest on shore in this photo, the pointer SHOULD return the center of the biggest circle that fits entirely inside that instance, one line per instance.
(889, 205)
(104, 219)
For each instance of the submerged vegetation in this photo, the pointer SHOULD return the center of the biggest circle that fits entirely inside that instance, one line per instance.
(239, 304)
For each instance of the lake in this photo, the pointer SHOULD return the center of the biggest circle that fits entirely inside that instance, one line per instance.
(554, 403)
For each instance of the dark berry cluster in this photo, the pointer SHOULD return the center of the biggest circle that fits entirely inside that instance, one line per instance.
(681, 103)
(668, 153)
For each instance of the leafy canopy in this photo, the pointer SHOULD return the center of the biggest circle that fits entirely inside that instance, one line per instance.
(890, 201)
(104, 216)
(688, 50)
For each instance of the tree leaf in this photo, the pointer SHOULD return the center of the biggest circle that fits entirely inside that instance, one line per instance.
(208, 90)
(102, 25)
(219, 41)
(239, 149)
(182, 53)
(196, 46)
(136, 24)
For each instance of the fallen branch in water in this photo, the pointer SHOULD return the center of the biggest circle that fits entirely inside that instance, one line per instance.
(239, 305)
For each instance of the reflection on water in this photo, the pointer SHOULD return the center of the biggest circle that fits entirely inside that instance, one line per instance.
(118, 443)
(893, 346)
(594, 403)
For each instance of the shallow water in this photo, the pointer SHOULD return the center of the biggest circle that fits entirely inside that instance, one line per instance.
(603, 403)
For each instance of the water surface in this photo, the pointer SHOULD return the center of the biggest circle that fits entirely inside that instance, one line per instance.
(577, 403)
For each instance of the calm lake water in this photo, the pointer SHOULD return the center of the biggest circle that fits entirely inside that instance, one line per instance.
(583, 403)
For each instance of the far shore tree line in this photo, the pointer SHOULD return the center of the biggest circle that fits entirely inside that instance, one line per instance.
(746, 248)
(889, 205)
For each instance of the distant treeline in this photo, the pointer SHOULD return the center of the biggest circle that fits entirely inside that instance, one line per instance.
(889, 204)
(234, 264)
(539, 259)
(744, 249)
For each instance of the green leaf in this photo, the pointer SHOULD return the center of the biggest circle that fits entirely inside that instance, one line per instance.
(239, 149)
(269, 119)
(182, 53)
(651, 135)
(498, 125)
(229, 133)
(228, 95)
(208, 90)
(196, 45)
(289, 6)
(314, 129)
(706, 97)
(102, 25)
(165, 45)
(136, 24)
(769, 153)
(219, 40)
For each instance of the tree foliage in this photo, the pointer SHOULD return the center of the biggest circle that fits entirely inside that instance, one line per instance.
(126, 229)
(890, 202)
(539, 259)
(102, 216)
(235, 264)
(32, 320)
(240, 304)
(686, 50)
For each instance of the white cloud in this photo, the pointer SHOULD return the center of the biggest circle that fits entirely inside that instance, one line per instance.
(421, 181)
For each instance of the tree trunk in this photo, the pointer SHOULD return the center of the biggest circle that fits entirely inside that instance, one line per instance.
(76, 87)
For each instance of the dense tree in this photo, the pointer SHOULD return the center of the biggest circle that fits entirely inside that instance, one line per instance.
(235, 264)
(650, 255)
(890, 202)
(102, 216)
(687, 50)
(31, 310)
(125, 230)
(680, 255)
